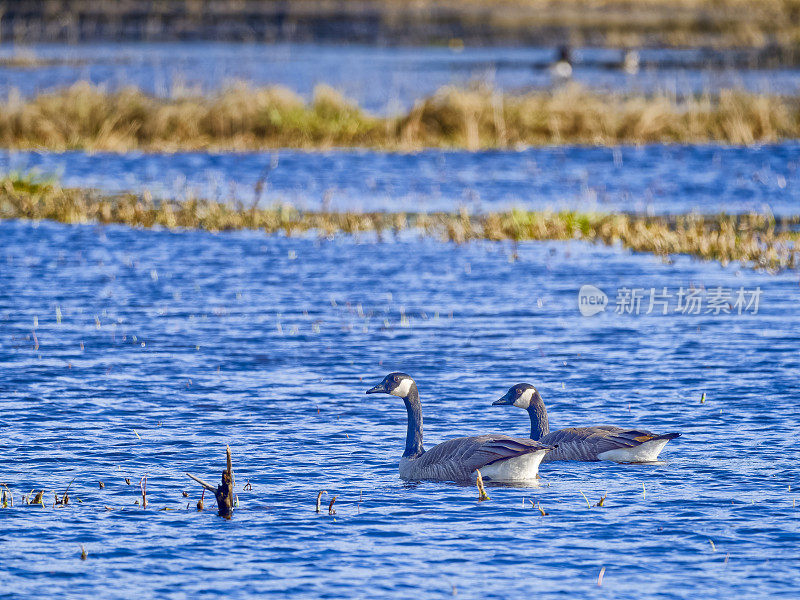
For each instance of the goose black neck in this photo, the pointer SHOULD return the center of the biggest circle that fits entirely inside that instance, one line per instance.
(414, 433)
(540, 426)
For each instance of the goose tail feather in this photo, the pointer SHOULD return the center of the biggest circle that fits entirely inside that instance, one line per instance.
(668, 436)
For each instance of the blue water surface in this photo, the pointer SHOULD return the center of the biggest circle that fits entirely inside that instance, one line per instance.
(129, 352)
(380, 79)
(650, 179)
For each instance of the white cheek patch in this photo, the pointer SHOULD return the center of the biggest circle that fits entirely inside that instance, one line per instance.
(524, 399)
(402, 388)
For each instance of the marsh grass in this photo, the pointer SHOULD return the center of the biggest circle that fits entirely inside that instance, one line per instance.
(759, 241)
(243, 118)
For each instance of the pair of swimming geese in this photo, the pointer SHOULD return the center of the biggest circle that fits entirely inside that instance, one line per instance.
(503, 458)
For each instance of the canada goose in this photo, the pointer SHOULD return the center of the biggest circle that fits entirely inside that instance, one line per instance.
(628, 62)
(561, 70)
(499, 457)
(601, 442)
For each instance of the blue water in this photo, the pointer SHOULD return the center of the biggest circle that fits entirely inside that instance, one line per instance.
(127, 352)
(172, 344)
(384, 80)
(656, 178)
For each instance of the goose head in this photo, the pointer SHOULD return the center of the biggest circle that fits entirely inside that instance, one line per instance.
(396, 384)
(521, 395)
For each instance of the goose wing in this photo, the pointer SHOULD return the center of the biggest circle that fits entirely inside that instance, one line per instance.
(586, 443)
(457, 459)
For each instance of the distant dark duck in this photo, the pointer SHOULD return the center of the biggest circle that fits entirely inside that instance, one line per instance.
(601, 442)
(499, 457)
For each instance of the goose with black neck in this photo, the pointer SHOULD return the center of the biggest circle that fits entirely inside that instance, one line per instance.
(500, 458)
(599, 442)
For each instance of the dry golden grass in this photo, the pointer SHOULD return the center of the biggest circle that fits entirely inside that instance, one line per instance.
(755, 240)
(632, 23)
(242, 118)
(574, 115)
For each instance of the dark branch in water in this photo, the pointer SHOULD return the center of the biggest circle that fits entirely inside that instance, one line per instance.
(223, 492)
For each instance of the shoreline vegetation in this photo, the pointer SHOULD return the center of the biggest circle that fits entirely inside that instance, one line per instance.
(242, 118)
(610, 23)
(757, 241)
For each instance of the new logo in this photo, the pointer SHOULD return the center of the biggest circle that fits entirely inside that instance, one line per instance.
(591, 300)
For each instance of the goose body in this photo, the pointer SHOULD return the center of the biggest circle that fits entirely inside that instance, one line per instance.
(498, 457)
(600, 442)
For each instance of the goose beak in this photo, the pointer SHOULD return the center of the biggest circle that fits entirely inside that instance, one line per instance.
(505, 400)
(378, 389)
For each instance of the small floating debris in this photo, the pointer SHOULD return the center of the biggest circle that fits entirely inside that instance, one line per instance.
(7, 497)
(599, 503)
(536, 504)
(482, 495)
